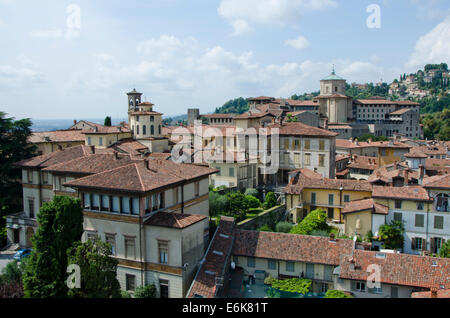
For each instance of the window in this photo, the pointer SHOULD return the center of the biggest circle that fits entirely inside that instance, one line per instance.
(359, 286)
(321, 160)
(331, 199)
(30, 176)
(286, 143)
(175, 195)
(115, 204)
(104, 202)
(307, 144)
(290, 266)
(130, 248)
(398, 204)
(144, 129)
(130, 282)
(164, 288)
(271, 264)
(417, 243)
(163, 248)
(297, 158)
(307, 159)
(45, 177)
(95, 202)
(231, 172)
(330, 213)
(323, 287)
(197, 187)
(419, 222)
(89, 141)
(125, 205)
(31, 207)
(111, 239)
(438, 222)
(397, 216)
(296, 144)
(346, 198)
(375, 290)
(87, 201)
(152, 130)
(310, 271)
(250, 262)
(321, 144)
(420, 206)
(394, 292)
(313, 198)
(152, 118)
(137, 129)
(100, 141)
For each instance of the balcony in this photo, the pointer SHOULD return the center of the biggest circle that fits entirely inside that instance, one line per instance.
(20, 219)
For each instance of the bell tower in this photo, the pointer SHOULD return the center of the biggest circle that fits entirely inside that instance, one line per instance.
(134, 99)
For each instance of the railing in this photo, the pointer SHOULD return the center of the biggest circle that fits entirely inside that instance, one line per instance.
(20, 219)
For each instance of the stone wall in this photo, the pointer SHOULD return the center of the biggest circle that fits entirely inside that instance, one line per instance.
(272, 215)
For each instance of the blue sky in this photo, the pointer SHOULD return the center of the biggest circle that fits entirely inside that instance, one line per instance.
(201, 53)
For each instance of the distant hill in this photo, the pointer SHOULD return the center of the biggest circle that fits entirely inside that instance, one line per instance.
(233, 106)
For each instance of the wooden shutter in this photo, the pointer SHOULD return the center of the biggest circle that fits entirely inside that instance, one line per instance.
(413, 243)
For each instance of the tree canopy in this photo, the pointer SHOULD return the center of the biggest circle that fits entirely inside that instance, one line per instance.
(107, 121)
(392, 234)
(316, 220)
(60, 226)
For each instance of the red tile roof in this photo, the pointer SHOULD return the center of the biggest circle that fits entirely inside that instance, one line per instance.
(174, 220)
(60, 156)
(300, 129)
(437, 182)
(290, 247)
(365, 204)
(129, 146)
(57, 136)
(143, 176)
(398, 269)
(415, 193)
(219, 115)
(363, 162)
(103, 130)
(94, 163)
(441, 293)
(215, 262)
(305, 179)
(401, 111)
(415, 153)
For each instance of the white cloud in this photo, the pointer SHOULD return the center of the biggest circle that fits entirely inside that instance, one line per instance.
(49, 34)
(241, 14)
(24, 71)
(433, 47)
(298, 43)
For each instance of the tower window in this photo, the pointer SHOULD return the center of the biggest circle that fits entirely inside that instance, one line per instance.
(152, 118)
(137, 129)
(152, 130)
(144, 129)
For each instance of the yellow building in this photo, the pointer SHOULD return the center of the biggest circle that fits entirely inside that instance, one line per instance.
(362, 216)
(49, 141)
(103, 137)
(308, 191)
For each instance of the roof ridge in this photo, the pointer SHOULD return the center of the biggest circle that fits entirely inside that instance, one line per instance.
(139, 175)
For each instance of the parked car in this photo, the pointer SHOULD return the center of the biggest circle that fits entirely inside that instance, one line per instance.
(22, 254)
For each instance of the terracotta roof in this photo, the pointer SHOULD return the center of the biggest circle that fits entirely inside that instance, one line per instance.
(433, 150)
(145, 104)
(398, 269)
(401, 111)
(107, 130)
(342, 157)
(374, 101)
(301, 179)
(145, 113)
(333, 96)
(394, 170)
(365, 204)
(250, 115)
(290, 247)
(293, 102)
(260, 98)
(406, 102)
(129, 146)
(160, 155)
(437, 164)
(416, 193)
(142, 176)
(415, 153)
(94, 163)
(57, 136)
(174, 220)
(215, 262)
(437, 182)
(339, 127)
(363, 162)
(60, 156)
(300, 129)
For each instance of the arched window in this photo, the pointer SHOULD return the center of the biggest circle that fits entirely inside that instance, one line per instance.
(144, 129)
(152, 130)
(159, 129)
(137, 129)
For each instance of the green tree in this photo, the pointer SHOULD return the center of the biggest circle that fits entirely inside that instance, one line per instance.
(283, 227)
(14, 147)
(98, 270)
(336, 294)
(252, 202)
(252, 191)
(12, 272)
(60, 226)
(392, 234)
(316, 220)
(270, 201)
(444, 251)
(265, 228)
(237, 205)
(107, 121)
(147, 291)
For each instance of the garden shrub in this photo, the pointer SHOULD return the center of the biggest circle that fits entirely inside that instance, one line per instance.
(316, 220)
(252, 202)
(265, 228)
(147, 291)
(252, 192)
(283, 227)
(331, 293)
(293, 285)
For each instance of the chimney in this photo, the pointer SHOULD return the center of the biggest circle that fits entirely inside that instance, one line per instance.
(421, 174)
(74, 121)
